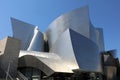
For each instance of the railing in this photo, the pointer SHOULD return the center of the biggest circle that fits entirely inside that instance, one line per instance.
(20, 76)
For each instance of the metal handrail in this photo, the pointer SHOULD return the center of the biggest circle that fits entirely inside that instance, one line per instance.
(21, 75)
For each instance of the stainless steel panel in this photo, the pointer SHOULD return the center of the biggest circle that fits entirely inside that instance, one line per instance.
(73, 41)
(30, 36)
(93, 36)
(77, 20)
(78, 50)
(86, 52)
(100, 39)
(37, 42)
(63, 47)
(48, 63)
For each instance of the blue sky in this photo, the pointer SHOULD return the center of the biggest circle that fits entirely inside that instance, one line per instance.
(103, 13)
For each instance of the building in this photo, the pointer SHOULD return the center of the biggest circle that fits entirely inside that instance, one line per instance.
(70, 49)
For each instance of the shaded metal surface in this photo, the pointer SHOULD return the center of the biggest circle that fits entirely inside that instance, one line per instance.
(30, 36)
(49, 63)
(100, 39)
(86, 53)
(78, 50)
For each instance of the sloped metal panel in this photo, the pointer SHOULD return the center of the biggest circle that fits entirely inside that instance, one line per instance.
(32, 61)
(37, 42)
(93, 36)
(63, 47)
(77, 20)
(30, 36)
(86, 53)
(80, 51)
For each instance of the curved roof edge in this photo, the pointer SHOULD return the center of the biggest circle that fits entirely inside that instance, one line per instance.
(47, 65)
(86, 7)
(32, 61)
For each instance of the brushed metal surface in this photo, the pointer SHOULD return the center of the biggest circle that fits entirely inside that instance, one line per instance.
(49, 63)
(77, 20)
(74, 44)
(86, 53)
(63, 47)
(30, 36)
(78, 50)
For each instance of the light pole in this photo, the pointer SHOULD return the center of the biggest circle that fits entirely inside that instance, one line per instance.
(7, 73)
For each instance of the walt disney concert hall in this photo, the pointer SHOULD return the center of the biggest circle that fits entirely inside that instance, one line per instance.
(70, 49)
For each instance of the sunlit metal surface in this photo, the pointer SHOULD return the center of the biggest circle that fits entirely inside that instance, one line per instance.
(63, 47)
(39, 54)
(78, 20)
(49, 63)
(31, 37)
(78, 50)
(74, 44)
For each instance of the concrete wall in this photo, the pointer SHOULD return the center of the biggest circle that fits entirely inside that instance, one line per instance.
(9, 48)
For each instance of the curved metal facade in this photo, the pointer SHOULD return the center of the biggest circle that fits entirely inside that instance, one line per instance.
(78, 50)
(77, 20)
(63, 47)
(49, 63)
(88, 40)
(86, 53)
(75, 42)
(30, 36)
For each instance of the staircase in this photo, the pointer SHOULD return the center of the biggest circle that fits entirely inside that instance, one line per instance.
(6, 76)
(20, 76)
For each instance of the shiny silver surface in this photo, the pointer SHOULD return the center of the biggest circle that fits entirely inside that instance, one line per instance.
(30, 36)
(78, 50)
(63, 47)
(86, 52)
(74, 44)
(78, 20)
(81, 50)
(49, 63)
